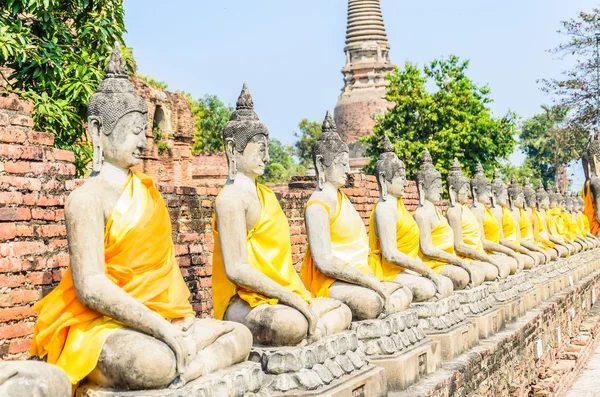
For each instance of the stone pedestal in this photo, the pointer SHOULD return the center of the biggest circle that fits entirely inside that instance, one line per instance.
(526, 290)
(445, 322)
(334, 366)
(399, 346)
(506, 298)
(540, 281)
(244, 379)
(478, 306)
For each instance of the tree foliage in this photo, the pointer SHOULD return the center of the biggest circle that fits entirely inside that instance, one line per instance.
(452, 121)
(525, 170)
(57, 50)
(578, 89)
(281, 165)
(309, 132)
(210, 115)
(551, 141)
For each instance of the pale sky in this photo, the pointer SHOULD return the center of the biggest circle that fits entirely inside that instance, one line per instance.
(291, 51)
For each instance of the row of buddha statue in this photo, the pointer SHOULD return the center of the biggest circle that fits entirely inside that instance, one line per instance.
(121, 318)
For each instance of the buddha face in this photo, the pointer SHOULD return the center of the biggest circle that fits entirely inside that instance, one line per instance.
(126, 143)
(502, 197)
(337, 172)
(464, 193)
(433, 192)
(544, 203)
(252, 161)
(398, 183)
(519, 201)
(483, 194)
(569, 205)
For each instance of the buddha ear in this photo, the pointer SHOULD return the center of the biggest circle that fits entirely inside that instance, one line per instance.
(474, 194)
(94, 128)
(320, 170)
(493, 200)
(421, 192)
(452, 195)
(230, 154)
(382, 185)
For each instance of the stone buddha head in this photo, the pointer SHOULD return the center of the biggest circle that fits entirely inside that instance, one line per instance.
(246, 139)
(429, 180)
(481, 187)
(459, 186)
(542, 197)
(331, 156)
(499, 189)
(529, 194)
(569, 203)
(580, 204)
(117, 118)
(390, 171)
(515, 194)
(556, 198)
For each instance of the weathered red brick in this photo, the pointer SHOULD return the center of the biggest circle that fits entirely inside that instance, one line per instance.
(12, 264)
(16, 330)
(14, 214)
(16, 167)
(51, 230)
(40, 138)
(39, 278)
(8, 231)
(19, 346)
(11, 281)
(64, 155)
(13, 102)
(47, 215)
(22, 152)
(6, 300)
(23, 248)
(21, 120)
(18, 182)
(24, 296)
(16, 313)
(13, 136)
(50, 201)
(11, 198)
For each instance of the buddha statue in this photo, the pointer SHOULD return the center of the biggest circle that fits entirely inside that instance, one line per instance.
(336, 263)
(535, 229)
(467, 230)
(509, 229)
(543, 206)
(591, 188)
(254, 281)
(524, 232)
(120, 316)
(436, 237)
(556, 221)
(583, 221)
(394, 235)
(573, 224)
(481, 190)
(33, 378)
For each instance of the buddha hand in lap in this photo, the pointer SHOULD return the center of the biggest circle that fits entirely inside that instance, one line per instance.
(121, 316)
(467, 231)
(436, 237)
(564, 247)
(336, 263)
(509, 229)
(254, 281)
(524, 230)
(394, 235)
(536, 225)
(489, 227)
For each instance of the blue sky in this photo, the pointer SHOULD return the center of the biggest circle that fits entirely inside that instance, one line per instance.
(291, 51)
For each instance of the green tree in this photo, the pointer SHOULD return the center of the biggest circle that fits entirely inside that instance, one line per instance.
(211, 115)
(152, 82)
(57, 50)
(551, 142)
(309, 132)
(453, 121)
(281, 165)
(525, 170)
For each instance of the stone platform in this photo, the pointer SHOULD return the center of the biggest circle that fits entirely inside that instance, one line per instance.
(334, 366)
(478, 306)
(445, 322)
(399, 346)
(244, 379)
(506, 298)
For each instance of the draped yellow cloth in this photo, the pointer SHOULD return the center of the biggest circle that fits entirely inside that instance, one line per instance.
(491, 226)
(525, 226)
(574, 226)
(589, 211)
(540, 234)
(584, 223)
(509, 226)
(569, 227)
(556, 224)
(349, 243)
(442, 237)
(407, 242)
(269, 251)
(139, 258)
(471, 231)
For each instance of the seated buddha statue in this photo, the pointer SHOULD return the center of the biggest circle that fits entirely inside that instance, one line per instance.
(394, 235)
(467, 231)
(583, 220)
(120, 316)
(591, 188)
(573, 224)
(556, 221)
(254, 281)
(481, 190)
(543, 207)
(509, 229)
(535, 230)
(436, 238)
(516, 200)
(336, 263)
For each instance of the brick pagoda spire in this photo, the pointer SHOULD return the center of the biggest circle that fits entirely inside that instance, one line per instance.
(367, 63)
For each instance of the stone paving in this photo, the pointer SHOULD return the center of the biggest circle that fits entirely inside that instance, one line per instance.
(588, 383)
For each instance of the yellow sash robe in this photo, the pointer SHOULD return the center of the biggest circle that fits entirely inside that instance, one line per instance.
(139, 258)
(349, 242)
(491, 226)
(589, 211)
(269, 251)
(509, 226)
(556, 224)
(407, 241)
(471, 231)
(583, 222)
(540, 234)
(525, 226)
(442, 237)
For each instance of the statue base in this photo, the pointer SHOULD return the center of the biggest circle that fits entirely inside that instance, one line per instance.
(478, 306)
(334, 366)
(399, 346)
(527, 290)
(541, 283)
(244, 379)
(445, 322)
(506, 298)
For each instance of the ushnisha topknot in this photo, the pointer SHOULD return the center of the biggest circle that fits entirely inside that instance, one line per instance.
(115, 96)
(479, 180)
(514, 190)
(541, 193)
(388, 162)
(456, 178)
(329, 145)
(498, 184)
(529, 193)
(427, 173)
(243, 124)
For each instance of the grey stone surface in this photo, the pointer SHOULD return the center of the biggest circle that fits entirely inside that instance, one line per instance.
(33, 378)
(440, 317)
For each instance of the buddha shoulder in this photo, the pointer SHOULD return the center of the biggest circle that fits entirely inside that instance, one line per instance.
(94, 194)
